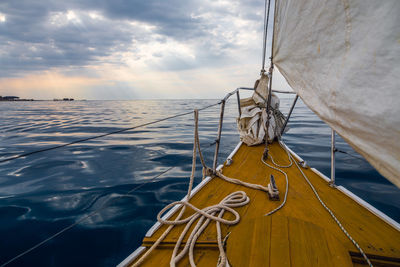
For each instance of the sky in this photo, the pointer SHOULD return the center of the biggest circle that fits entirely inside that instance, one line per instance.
(130, 49)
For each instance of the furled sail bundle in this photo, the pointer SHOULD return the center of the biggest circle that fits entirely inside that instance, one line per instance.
(252, 122)
(343, 59)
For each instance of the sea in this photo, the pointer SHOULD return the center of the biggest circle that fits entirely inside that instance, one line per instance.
(52, 191)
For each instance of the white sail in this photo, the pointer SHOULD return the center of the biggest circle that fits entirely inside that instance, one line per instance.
(342, 57)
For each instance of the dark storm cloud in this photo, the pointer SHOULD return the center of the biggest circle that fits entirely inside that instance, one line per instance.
(40, 35)
(172, 17)
(175, 18)
(28, 40)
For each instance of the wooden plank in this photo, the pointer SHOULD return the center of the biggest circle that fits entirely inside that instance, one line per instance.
(339, 253)
(280, 249)
(203, 257)
(309, 246)
(261, 242)
(249, 243)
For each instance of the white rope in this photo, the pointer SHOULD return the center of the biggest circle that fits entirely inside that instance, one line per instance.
(239, 182)
(330, 211)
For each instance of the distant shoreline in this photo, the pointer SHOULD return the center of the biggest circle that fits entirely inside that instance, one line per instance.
(30, 100)
(19, 100)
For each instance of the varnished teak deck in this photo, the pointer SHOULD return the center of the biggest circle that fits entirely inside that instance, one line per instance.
(302, 233)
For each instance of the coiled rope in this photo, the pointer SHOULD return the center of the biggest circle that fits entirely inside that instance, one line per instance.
(206, 215)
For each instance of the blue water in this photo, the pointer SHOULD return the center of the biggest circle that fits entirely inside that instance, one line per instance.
(43, 193)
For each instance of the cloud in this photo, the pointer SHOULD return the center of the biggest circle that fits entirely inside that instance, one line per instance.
(68, 38)
(129, 39)
(2, 18)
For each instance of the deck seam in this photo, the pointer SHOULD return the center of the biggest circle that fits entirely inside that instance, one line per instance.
(270, 243)
(290, 251)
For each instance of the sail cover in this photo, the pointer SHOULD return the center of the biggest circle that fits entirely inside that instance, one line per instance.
(342, 57)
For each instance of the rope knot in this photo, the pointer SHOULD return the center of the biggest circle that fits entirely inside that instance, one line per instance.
(208, 172)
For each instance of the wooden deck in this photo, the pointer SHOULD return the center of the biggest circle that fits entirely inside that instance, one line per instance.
(302, 233)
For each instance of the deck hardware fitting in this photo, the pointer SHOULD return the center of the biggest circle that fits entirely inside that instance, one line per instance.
(303, 164)
(273, 191)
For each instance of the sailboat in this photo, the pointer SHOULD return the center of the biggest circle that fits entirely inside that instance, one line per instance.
(264, 206)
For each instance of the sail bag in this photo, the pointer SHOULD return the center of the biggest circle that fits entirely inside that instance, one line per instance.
(252, 123)
(342, 57)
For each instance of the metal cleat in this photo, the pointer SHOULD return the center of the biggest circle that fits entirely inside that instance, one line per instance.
(273, 191)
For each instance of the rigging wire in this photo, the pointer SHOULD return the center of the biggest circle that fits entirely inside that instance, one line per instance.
(106, 205)
(349, 154)
(102, 135)
(266, 19)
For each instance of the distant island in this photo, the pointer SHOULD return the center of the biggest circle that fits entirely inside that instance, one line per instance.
(64, 99)
(16, 98)
(13, 98)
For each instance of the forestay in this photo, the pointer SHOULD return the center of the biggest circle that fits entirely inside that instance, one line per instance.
(343, 59)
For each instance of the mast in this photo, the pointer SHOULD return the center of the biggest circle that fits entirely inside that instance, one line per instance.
(270, 71)
(266, 19)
